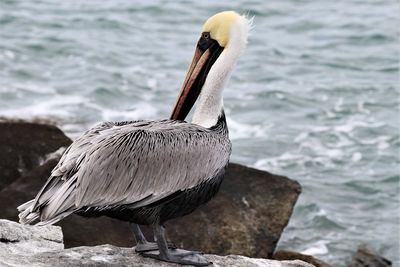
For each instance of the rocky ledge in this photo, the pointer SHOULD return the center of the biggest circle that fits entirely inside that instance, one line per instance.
(24, 245)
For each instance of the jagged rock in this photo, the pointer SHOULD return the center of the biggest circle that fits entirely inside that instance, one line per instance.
(246, 217)
(364, 257)
(293, 255)
(25, 245)
(23, 145)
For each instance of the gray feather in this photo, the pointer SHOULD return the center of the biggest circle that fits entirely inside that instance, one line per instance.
(129, 163)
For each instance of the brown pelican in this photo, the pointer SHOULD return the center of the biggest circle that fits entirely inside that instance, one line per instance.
(147, 172)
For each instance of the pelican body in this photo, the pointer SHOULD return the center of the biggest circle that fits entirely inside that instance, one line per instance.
(148, 172)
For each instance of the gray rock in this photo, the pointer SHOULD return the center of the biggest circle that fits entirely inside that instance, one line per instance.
(18, 240)
(364, 257)
(31, 246)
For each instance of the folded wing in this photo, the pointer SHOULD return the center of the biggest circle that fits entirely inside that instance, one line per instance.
(131, 163)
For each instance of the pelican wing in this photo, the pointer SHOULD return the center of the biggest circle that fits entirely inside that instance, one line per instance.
(141, 163)
(128, 163)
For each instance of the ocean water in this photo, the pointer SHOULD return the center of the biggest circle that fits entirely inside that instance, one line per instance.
(315, 96)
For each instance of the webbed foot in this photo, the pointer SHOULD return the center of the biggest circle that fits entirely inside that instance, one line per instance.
(180, 256)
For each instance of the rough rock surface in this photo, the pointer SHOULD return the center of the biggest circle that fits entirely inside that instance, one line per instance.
(246, 217)
(293, 255)
(364, 257)
(26, 245)
(18, 240)
(23, 145)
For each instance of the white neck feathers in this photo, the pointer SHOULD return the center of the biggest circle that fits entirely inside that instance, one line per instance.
(210, 103)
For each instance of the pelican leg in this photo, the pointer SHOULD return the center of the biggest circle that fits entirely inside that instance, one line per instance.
(142, 245)
(180, 256)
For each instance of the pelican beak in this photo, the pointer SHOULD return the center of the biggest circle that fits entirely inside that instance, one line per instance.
(206, 53)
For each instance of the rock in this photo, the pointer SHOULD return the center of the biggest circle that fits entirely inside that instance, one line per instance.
(23, 145)
(364, 257)
(29, 246)
(292, 255)
(19, 240)
(79, 231)
(23, 189)
(246, 217)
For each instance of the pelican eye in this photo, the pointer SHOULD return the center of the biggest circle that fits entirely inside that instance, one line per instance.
(205, 35)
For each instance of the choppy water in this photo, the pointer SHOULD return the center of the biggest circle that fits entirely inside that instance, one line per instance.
(315, 97)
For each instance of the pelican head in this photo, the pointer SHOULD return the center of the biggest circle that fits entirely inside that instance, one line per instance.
(222, 39)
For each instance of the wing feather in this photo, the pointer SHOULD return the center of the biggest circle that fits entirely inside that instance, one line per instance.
(128, 164)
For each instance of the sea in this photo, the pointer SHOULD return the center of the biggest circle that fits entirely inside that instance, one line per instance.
(315, 96)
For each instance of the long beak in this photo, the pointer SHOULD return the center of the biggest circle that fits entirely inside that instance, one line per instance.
(191, 86)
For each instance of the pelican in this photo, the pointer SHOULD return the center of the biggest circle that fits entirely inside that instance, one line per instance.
(148, 172)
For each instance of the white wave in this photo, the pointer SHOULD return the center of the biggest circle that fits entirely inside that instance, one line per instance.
(9, 54)
(317, 129)
(321, 212)
(319, 248)
(310, 151)
(17, 87)
(301, 137)
(381, 142)
(312, 148)
(361, 108)
(277, 164)
(48, 108)
(383, 145)
(152, 83)
(343, 141)
(350, 126)
(73, 130)
(141, 111)
(357, 156)
(339, 105)
(239, 130)
(318, 148)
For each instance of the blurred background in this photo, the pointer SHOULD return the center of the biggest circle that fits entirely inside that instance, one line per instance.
(315, 96)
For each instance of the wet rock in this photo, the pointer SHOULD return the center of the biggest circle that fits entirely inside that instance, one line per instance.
(364, 257)
(23, 145)
(292, 255)
(246, 217)
(22, 245)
